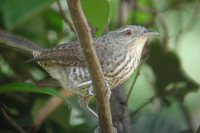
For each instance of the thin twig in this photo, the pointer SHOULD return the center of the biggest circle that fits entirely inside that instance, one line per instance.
(137, 73)
(66, 19)
(10, 120)
(85, 39)
(120, 112)
(143, 105)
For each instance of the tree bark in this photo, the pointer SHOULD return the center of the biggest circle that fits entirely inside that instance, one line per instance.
(85, 39)
(119, 109)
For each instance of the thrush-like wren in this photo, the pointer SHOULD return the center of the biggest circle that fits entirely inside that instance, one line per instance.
(119, 53)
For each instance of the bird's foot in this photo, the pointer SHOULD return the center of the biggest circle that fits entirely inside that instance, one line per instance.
(91, 91)
(108, 91)
(84, 103)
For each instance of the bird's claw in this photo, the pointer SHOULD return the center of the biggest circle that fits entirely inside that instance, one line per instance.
(108, 91)
(91, 91)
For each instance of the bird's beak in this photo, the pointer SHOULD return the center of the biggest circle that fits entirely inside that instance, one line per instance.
(150, 33)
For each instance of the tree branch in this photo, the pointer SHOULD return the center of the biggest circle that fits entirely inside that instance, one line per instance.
(66, 19)
(120, 112)
(10, 121)
(51, 105)
(143, 105)
(85, 38)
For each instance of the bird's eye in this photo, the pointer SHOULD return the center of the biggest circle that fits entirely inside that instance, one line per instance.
(128, 32)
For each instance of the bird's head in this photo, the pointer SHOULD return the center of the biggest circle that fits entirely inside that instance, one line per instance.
(130, 36)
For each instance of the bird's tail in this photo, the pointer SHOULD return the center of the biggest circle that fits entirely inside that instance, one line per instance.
(17, 42)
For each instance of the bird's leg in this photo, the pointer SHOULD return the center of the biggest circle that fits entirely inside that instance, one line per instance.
(85, 99)
(84, 102)
(82, 85)
(92, 93)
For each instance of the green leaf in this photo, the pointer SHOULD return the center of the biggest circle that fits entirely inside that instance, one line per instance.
(15, 12)
(97, 13)
(53, 20)
(142, 18)
(28, 87)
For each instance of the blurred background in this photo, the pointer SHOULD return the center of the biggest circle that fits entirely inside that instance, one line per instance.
(165, 97)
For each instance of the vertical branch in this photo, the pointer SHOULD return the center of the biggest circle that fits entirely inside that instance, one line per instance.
(66, 19)
(120, 112)
(85, 38)
(125, 6)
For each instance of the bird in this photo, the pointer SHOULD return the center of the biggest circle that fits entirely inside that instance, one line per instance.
(119, 53)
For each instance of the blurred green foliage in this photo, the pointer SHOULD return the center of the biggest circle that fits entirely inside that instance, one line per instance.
(170, 75)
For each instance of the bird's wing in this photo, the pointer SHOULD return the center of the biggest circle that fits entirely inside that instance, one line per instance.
(70, 54)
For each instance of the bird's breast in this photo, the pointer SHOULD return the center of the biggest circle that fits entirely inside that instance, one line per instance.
(121, 68)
